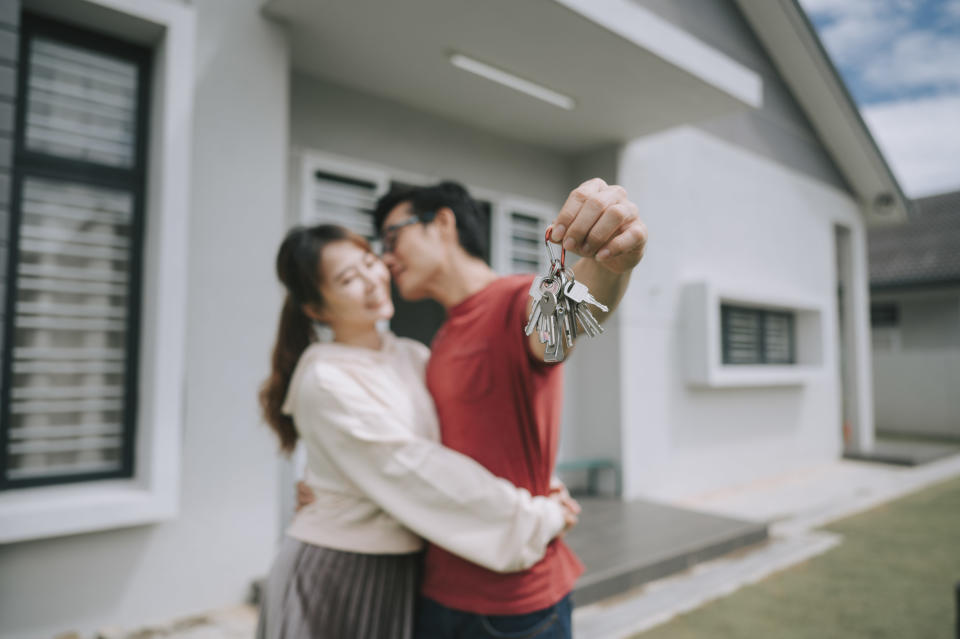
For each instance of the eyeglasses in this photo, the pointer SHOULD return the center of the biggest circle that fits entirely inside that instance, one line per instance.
(389, 236)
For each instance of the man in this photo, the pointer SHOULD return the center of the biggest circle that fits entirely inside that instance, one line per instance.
(497, 400)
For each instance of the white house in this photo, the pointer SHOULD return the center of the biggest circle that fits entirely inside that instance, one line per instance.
(154, 152)
(915, 312)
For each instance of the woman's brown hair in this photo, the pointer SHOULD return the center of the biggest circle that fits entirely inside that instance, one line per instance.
(299, 269)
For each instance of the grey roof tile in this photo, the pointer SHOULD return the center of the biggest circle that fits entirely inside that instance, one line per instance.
(925, 250)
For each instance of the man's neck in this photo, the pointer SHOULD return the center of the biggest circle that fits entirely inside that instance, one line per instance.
(464, 276)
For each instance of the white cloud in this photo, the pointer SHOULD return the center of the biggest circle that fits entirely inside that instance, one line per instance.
(881, 52)
(855, 26)
(921, 141)
(920, 59)
(855, 39)
(876, 40)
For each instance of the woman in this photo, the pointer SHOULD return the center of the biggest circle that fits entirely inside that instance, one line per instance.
(382, 482)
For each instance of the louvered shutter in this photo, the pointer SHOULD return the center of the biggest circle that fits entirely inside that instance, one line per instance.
(80, 104)
(741, 335)
(336, 193)
(70, 373)
(522, 227)
(777, 338)
(757, 336)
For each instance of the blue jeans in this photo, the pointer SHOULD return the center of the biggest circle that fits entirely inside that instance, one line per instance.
(435, 621)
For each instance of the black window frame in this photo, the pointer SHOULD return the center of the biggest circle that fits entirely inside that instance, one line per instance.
(29, 164)
(762, 314)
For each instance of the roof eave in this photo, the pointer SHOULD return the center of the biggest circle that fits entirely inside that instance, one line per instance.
(795, 49)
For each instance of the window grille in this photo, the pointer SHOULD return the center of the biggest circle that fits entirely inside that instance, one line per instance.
(884, 315)
(344, 200)
(526, 226)
(757, 336)
(69, 389)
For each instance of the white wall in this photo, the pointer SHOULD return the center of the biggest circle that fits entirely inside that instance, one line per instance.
(916, 366)
(225, 532)
(719, 214)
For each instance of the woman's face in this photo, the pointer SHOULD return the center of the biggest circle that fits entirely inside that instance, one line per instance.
(355, 287)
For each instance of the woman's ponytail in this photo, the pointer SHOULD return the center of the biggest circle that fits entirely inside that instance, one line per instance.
(299, 269)
(294, 335)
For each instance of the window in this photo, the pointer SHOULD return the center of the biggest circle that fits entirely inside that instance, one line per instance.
(884, 315)
(522, 248)
(757, 336)
(70, 362)
(526, 243)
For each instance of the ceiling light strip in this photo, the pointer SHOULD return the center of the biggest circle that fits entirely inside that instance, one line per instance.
(514, 82)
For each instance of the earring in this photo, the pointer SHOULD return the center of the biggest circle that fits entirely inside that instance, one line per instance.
(322, 332)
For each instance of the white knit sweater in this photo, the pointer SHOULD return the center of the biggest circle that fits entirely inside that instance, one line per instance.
(381, 478)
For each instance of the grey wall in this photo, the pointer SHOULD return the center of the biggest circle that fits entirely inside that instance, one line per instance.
(335, 119)
(930, 324)
(9, 45)
(779, 130)
(916, 366)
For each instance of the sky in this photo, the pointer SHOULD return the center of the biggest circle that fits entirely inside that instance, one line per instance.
(900, 59)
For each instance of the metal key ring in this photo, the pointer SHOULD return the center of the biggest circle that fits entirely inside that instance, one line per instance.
(563, 251)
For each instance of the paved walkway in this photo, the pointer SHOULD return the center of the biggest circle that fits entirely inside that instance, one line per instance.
(626, 544)
(796, 504)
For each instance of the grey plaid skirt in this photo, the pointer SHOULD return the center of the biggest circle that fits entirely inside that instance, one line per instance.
(320, 593)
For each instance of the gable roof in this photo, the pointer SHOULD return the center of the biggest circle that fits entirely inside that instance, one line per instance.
(924, 251)
(795, 48)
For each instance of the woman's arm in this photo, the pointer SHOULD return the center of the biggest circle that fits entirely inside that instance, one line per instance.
(443, 496)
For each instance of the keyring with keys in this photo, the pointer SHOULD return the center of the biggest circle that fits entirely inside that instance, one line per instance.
(560, 305)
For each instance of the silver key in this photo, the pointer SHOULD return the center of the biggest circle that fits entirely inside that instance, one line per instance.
(588, 321)
(548, 307)
(534, 318)
(554, 352)
(572, 314)
(579, 293)
(540, 285)
(535, 288)
(563, 310)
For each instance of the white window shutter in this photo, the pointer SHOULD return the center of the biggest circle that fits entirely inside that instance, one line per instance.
(519, 232)
(340, 192)
(69, 360)
(81, 104)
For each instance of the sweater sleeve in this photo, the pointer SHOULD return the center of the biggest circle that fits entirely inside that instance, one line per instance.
(441, 495)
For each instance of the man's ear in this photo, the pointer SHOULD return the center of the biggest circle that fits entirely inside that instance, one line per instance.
(446, 222)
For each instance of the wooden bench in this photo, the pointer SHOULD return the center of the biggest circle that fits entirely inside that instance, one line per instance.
(593, 467)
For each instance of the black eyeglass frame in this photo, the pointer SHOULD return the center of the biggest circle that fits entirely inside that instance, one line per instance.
(388, 238)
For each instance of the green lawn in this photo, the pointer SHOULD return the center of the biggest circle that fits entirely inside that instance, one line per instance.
(893, 577)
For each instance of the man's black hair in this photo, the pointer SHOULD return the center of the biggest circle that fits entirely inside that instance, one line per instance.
(425, 201)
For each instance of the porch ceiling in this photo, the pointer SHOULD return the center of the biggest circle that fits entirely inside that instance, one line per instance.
(626, 84)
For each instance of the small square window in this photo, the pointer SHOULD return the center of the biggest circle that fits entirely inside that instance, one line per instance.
(757, 336)
(884, 315)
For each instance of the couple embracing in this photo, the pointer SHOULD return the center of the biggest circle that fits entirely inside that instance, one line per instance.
(450, 451)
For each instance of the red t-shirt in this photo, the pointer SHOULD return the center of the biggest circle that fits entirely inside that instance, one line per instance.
(500, 406)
